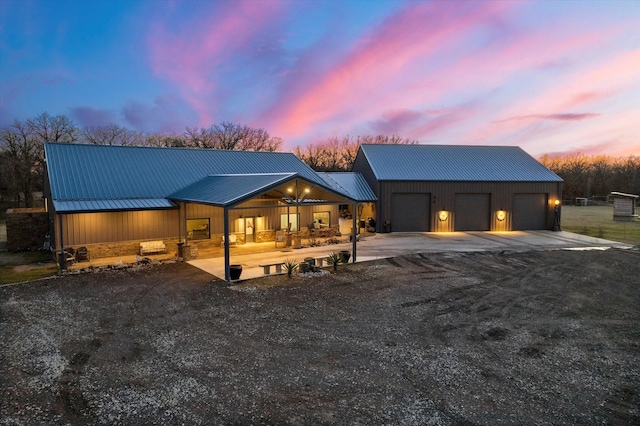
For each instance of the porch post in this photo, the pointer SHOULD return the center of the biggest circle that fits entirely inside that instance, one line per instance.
(297, 214)
(355, 230)
(179, 221)
(227, 276)
(62, 255)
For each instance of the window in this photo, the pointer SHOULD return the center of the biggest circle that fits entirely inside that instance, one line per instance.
(198, 229)
(321, 220)
(293, 220)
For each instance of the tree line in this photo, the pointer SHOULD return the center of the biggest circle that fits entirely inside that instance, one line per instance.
(22, 154)
(586, 176)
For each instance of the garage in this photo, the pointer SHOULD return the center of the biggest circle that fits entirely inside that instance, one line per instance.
(472, 212)
(411, 212)
(529, 211)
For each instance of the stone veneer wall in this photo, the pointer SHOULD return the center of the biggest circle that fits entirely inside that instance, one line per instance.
(26, 229)
(128, 248)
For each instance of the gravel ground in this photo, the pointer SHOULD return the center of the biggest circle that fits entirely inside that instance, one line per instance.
(540, 337)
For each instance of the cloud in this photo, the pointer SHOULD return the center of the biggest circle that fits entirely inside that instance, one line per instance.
(167, 114)
(395, 121)
(557, 117)
(379, 68)
(195, 55)
(92, 117)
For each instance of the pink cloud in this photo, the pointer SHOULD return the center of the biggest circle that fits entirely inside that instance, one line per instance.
(354, 85)
(192, 56)
(605, 79)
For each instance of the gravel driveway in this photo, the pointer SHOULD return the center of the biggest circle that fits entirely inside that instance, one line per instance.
(541, 337)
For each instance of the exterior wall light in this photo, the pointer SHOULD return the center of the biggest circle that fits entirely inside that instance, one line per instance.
(501, 215)
(443, 215)
(556, 202)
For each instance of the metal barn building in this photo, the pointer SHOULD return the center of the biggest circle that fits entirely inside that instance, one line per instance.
(110, 198)
(440, 188)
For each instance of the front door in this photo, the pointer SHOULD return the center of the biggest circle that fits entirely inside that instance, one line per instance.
(249, 229)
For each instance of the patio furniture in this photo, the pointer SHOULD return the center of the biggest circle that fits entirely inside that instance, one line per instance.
(82, 254)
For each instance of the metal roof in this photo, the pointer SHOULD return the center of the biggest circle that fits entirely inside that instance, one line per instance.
(225, 190)
(111, 174)
(349, 183)
(112, 205)
(455, 163)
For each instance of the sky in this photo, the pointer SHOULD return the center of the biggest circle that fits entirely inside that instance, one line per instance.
(554, 77)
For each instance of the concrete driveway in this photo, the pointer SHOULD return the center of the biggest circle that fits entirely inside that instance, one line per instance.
(380, 246)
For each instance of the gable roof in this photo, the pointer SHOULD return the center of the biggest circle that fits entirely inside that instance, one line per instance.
(349, 183)
(454, 163)
(112, 174)
(222, 190)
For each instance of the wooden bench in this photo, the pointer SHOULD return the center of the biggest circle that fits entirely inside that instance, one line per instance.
(152, 247)
(267, 267)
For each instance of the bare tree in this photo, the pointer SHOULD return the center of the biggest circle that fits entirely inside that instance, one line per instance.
(339, 154)
(231, 136)
(24, 153)
(111, 134)
(22, 146)
(47, 128)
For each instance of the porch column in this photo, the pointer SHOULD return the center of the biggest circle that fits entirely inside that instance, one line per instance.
(227, 276)
(297, 214)
(355, 230)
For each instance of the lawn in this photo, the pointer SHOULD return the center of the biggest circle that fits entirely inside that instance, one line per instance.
(25, 266)
(597, 221)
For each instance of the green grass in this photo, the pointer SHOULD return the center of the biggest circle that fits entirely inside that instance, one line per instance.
(25, 266)
(597, 221)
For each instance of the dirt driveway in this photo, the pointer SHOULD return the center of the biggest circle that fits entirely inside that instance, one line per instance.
(541, 337)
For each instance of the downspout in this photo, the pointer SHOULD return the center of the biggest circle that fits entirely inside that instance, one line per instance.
(227, 276)
(62, 254)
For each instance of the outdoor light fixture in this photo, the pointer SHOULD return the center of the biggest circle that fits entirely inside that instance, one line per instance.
(556, 202)
(289, 190)
(501, 215)
(443, 215)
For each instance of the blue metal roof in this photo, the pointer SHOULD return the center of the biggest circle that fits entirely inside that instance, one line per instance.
(112, 205)
(114, 173)
(349, 183)
(225, 190)
(455, 163)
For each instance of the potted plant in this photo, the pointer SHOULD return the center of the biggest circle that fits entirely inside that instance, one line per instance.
(290, 265)
(234, 272)
(333, 259)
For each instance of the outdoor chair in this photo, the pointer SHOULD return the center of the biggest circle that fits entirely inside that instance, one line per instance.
(280, 240)
(232, 240)
(82, 254)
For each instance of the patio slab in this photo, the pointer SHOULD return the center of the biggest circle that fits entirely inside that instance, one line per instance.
(380, 246)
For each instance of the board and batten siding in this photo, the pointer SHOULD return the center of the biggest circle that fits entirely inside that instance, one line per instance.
(443, 196)
(95, 228)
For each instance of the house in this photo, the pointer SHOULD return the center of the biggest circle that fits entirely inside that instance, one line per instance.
(111, 198)
(446, 188)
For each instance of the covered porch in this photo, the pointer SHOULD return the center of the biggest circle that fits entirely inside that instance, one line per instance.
(232, 211)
